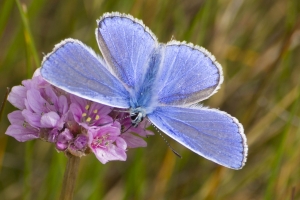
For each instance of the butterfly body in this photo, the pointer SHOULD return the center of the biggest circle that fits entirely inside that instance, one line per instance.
(137, 115)
(162, 82)
(144, 94)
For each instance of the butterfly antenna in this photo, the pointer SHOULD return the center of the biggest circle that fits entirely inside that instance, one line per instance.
(121, 118)
(115, 119)
(119, 111)
(175, 152)
(127, 129)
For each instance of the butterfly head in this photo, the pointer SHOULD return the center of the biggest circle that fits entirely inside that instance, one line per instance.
(137, 115)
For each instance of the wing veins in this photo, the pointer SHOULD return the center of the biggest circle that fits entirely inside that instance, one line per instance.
(227, 147)
(196, 128)
(69, 66)
(119, 66)
(131, 61)
(178, 72)
(126, 46)
(197, 83)
(181, 77)
(169, 72)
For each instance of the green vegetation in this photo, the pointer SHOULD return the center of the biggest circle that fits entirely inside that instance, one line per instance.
(256, 42)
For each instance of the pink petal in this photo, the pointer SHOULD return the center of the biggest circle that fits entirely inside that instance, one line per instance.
(65, 136)
(102, 109)
(63, 119)
(112, 130)
(104, 119)
(61, 146)
(36, 102)
(112, 153)
(141, 130)
(49, 120)
(121, 143)
(63, 104)
(51, 95)
(27, 105)
(81, 142)
(147, 132)
(21, 133)
(37, 72)
(28, 84)
(78, 100)
(133, 141)
(101, 155)
(33, 119)
(36, 82)
(52, 135)
(91, 133)
(117, 125)
(119, 153)
(16, 117)
(17, 96)
(103, 130)
(76, 111)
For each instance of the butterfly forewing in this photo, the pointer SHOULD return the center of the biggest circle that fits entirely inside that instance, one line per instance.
(76, 69)
(126, 45)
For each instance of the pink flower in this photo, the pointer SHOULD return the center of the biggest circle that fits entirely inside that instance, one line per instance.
(41, 104)
(63, 140)
(88, 113)
(20, 129)
(107, 144)
(43, 110)
(133, 135)
(73, 124)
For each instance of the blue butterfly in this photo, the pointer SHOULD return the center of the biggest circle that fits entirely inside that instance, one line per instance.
(162, 82)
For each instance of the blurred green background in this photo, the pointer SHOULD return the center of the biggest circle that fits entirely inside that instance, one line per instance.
(256, 42)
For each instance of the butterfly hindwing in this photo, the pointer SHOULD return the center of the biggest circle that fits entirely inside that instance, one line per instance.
(210, 133)
(76, 69)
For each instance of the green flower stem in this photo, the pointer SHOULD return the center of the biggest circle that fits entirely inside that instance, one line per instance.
(70, 176)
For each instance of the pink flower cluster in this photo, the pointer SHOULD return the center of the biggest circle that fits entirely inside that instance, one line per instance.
(73, 124)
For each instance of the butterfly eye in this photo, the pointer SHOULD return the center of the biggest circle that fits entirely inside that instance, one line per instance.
(136, 118)
(133, 116)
